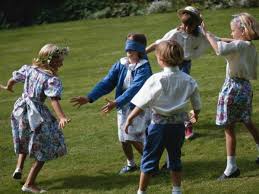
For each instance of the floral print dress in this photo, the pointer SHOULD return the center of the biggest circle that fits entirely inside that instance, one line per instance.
(35, 130)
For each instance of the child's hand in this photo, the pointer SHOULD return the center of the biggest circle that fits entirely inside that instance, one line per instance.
(10, 88)
(193, 116)
(109, 106)
(63, 122)
(127, 124)
(79, 101)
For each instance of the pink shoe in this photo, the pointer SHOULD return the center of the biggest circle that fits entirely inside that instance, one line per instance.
(188, 133)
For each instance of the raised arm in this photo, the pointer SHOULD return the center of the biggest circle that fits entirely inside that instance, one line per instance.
(151, 48)
(210, 37)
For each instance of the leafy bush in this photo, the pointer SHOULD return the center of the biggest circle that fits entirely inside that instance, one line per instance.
(230, 3)
(159, 7)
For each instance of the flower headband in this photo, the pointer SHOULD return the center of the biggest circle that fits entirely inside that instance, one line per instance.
(238, 21)
(56, 53)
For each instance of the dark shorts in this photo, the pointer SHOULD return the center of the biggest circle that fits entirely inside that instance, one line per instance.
(158, 138)
(186, 67)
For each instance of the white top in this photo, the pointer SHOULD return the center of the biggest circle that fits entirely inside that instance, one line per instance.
(130, 67)
(193, 46)
(168, 92)
(241, 59)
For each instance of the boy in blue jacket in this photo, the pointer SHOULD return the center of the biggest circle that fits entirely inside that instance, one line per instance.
(127, 75)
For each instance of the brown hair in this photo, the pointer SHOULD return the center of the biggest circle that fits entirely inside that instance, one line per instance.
(140, 38)
(170, 52)
(191, 21)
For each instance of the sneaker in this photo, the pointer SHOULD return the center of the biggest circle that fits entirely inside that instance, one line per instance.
(257, 160)
(232, 175)
(31, 190)
(127, 169)
(188, 133)
(17, 174)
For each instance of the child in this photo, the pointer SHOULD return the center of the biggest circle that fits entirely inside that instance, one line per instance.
(167, 94)
(235, 98)
(194, 43)
(127, 75)
(35, 130)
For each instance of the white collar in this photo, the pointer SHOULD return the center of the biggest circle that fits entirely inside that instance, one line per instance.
(171, 69)
(125, 61)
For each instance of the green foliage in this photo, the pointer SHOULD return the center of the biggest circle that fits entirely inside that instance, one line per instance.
(159, 7)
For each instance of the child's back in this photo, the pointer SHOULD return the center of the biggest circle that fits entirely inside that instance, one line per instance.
(171, 89)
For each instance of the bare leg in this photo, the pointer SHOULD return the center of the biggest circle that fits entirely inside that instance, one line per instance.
(230, 140)
(138, 146)
(35, 169)
(143, 181)
(176, 178)
(20, 161)
(253, 130)
(127, 149)
(231, 169)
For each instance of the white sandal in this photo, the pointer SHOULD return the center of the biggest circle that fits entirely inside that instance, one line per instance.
(30, 190)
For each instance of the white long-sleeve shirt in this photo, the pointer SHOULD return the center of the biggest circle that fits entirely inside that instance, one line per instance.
(193, 46)
(241, 59)
(168, 92)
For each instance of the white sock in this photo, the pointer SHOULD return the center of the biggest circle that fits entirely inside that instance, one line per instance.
(176, 190)
(131, 162)
(231, 165)
(257, 147)
(141, 192)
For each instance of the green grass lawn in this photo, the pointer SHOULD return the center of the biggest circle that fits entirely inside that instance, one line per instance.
(95, 155)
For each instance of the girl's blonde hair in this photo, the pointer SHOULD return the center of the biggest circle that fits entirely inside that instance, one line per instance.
(170, 52)
(46, 54)
(249, 24)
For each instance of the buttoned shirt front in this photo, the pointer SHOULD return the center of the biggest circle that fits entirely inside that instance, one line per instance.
(168, 92)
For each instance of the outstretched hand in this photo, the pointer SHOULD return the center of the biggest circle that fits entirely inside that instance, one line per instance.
(10, 88)
(79, 101)
(109, 106)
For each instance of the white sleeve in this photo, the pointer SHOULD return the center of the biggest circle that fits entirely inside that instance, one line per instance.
(167, 36)
(147, 93)
(196, 99)
(204, 44)
(225, 48)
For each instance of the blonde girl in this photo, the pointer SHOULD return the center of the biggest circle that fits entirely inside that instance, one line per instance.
(235, 98)
(36, 132)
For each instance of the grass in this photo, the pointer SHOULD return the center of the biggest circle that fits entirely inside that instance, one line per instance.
(95, 156)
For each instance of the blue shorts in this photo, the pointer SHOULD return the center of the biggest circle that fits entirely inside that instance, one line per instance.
(186, 67)
(158, 138)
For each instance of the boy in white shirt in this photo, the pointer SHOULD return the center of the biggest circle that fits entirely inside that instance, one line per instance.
(193, 42)
(167, 93)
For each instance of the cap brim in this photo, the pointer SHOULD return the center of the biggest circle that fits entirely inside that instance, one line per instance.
(182, 11)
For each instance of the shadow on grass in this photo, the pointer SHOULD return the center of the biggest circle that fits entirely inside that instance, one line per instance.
(211, 170)
(100, 182)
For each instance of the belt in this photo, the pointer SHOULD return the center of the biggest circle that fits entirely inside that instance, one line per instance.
(172, 119)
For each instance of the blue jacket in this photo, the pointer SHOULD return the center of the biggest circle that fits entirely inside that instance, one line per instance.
(115, 78)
